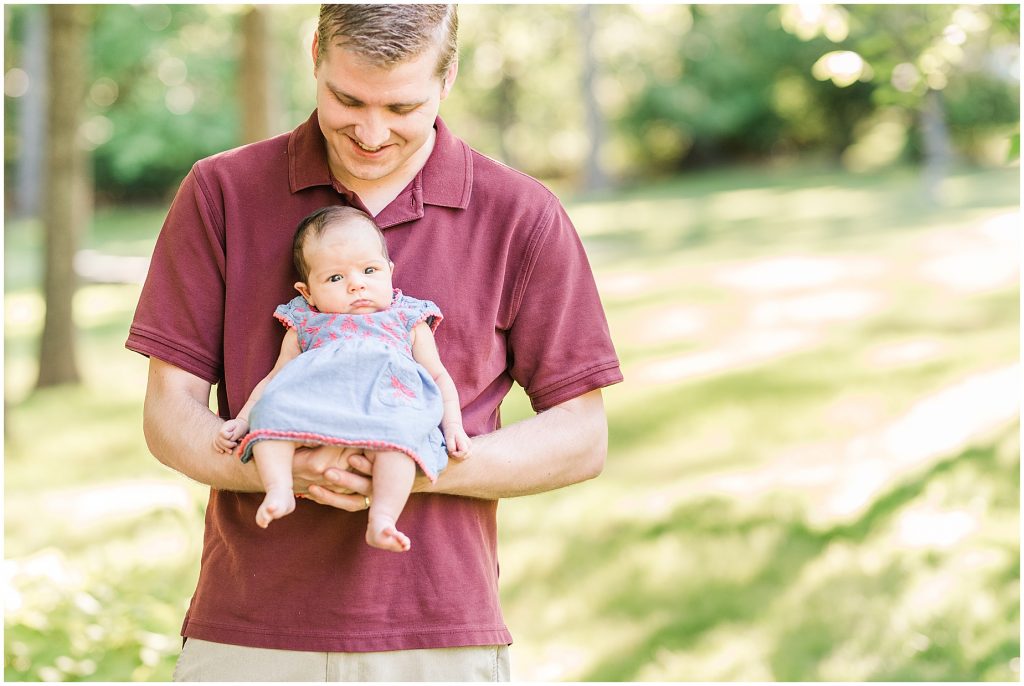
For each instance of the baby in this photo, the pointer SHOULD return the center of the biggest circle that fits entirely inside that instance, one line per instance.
(358, 367)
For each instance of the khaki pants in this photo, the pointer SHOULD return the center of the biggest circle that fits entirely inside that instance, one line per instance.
(206, 661)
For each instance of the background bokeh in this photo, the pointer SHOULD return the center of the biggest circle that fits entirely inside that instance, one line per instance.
(803, 220)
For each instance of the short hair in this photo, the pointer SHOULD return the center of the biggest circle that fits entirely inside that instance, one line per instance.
(389, 34)
(317, 224)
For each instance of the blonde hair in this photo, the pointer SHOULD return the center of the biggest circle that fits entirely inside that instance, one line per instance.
(389, 34)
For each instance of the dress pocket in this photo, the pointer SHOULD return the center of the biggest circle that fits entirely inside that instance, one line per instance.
(399, 386)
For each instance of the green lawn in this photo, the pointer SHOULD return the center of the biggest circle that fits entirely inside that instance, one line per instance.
(760, 516)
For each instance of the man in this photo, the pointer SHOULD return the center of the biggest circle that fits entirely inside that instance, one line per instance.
(307, 599)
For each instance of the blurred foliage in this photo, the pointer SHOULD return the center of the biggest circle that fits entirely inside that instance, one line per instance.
(164, 82)
(165, 90)
(679, 85)
(736, 85)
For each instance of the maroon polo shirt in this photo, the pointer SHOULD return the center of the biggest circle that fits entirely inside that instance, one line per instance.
(497, 253)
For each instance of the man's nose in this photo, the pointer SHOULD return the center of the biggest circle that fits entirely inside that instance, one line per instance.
(372, 130)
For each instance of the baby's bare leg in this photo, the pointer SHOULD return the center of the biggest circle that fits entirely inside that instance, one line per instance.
(393, 474)
(274, 463)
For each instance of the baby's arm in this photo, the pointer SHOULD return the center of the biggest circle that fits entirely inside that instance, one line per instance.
(424, 351)
(234, 429)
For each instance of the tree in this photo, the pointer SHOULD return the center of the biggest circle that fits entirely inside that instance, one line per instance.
(31, 119)
(254, 76)
(594, 176)
(66, 196)
(929, 61)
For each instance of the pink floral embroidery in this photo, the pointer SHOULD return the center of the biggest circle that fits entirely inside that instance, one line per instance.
(349, 326)
(401, 389)
(390, 329)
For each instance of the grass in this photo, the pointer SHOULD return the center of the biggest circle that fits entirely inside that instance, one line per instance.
(769, 323)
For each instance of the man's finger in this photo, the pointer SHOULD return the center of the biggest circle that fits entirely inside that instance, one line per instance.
(360, 463)
(349, 503)
(347, 480)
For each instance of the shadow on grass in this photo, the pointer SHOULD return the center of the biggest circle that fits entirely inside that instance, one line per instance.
(844, 605)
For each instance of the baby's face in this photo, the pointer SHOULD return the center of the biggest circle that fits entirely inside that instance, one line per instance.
(348, 273)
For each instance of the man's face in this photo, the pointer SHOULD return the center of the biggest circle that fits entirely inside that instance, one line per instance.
(376, 121)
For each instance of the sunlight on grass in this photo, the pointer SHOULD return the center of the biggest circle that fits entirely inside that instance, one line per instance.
(102, 313)
(733, 596)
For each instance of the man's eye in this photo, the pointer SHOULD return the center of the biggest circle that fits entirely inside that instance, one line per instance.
(335, 278)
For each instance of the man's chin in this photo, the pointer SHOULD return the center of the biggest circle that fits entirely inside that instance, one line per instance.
(361, 170)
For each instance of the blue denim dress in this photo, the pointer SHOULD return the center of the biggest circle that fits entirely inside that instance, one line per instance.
(355, 384)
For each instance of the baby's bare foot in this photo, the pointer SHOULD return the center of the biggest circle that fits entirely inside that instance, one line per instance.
(275, 505)
(382, 533)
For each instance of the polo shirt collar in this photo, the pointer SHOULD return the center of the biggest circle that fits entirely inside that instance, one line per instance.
(307, 156)
(445, 180)
(447, 177)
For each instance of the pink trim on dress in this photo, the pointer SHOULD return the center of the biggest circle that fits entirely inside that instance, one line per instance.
(288, 324)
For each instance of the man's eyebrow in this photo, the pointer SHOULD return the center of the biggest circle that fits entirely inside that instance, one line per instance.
(342, 95)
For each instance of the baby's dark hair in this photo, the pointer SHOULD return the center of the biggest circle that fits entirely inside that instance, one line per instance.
(318, 222)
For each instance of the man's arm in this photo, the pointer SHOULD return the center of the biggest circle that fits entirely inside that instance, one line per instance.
(180, 431)
(558, 447)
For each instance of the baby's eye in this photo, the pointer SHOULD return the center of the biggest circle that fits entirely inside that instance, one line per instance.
(369, 270)
(334, 278)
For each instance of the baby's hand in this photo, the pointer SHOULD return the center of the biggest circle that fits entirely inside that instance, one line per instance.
(458, 441)
(229, 434)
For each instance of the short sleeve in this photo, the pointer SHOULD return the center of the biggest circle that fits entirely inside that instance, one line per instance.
(559, 343)
(416, 311)
(293, 313)
(180, 314)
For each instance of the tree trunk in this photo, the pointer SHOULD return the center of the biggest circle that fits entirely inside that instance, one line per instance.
(32, 110)
(938, 150)
(506, 117)
(254, 76)
(65, 210)
(595, 177)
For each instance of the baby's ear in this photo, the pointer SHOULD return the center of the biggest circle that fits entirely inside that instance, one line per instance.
(303, 290)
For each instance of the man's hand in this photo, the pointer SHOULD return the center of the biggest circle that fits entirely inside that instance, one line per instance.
(338, 477)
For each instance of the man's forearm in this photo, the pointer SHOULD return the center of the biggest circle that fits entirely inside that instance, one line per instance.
(561, 446)
(180, 431)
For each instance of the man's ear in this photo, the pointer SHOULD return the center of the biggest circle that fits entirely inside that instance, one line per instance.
(316, 48)
(303, 290)
(449, 79)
